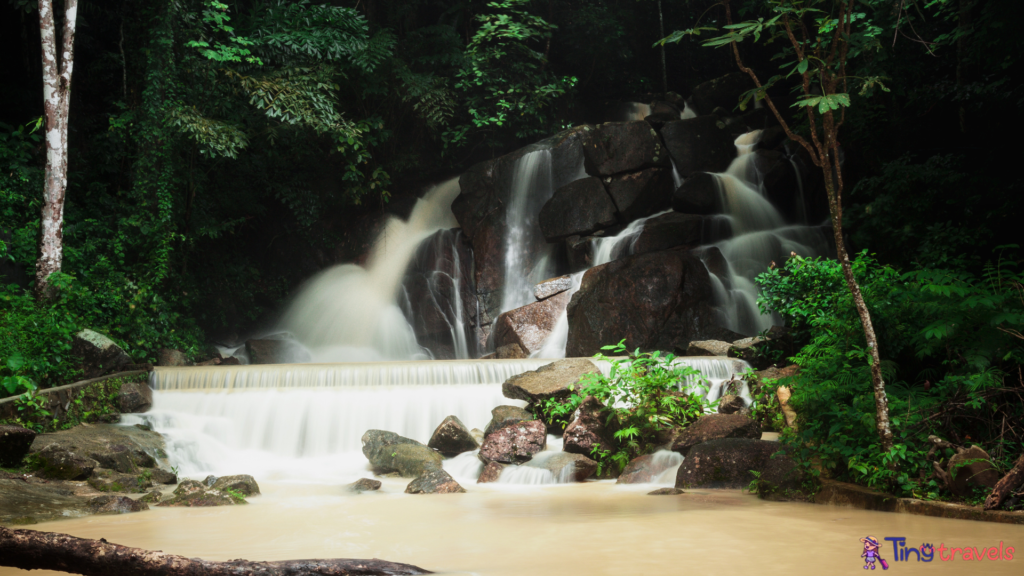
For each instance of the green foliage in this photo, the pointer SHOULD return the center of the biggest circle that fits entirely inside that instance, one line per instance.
(236, 496)
(43, 414)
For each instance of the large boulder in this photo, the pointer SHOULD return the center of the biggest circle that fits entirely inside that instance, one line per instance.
(723, 92)
(699, 194)
(713, 427)
(639, 194)
(529, 326)
(566, 467)
(969, 468)
(14, 444)
(670, 231)
(241, 483)
(589, 429)
(388, 452)
(502, 415)
(452, 438)
(655, 301)
(135, 398)
(126, 449)
(578, 208)
(363, 485)
(548, 381)
(701, 144)
(434, 481)
(617, 147)
(62, 464)
(728, 462)
(514, 443)
(646, 469)
(99, 354)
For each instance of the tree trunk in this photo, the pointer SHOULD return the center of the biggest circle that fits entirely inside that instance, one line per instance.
(56, 100)
(32, 550)
(661, 32)
(1013, 480)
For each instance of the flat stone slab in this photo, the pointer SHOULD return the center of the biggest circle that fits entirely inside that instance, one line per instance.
(836, 493)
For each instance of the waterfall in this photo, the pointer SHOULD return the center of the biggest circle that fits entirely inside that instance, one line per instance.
(350, 313)
(527, 254)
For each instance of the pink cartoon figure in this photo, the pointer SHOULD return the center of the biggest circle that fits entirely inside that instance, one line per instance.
(870, 554)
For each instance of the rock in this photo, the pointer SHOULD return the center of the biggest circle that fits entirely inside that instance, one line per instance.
(552, 286)
(727, 463)
(512, 351)
(969, 468)
(269, 351)
(126, 449)
(708, 348)
(514, 443)
(617, 147)
(580, 252)
(388, 452)
(566, 467)
(122, 458)
(655, 301)
(660, 119)
(699, 194)
(193, 494)
(490, 473)
(99, 355)
(163, 477)
(578, 208)
(135, 398)
(116, 505)
(724, 92)
(588, 429)
(783, 394)
(666, 492)
(529, 326)
(548, 381)
(701, 144)
(209, 481)
(153, 497)
(171, 357)
(731, 404)
(189, 487)
(672, 230)
(503, 415)
(14, 444)
(60, 464)
(241, 483)
(639, 194)
(434, 481)
(647, 468)
(363, 485)
(24, 502)
(110, 481)
(713, 427)
(452, 438)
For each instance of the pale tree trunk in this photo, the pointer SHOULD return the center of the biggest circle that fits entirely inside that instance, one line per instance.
(56, 100)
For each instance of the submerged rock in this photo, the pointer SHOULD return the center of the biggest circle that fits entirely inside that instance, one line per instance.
(14, 444)
(514, 443)
(116, 505)
(666, 492)
(452, 438)
(363, 485)
(434, 481)
(588, 429)
(728, 462)
(548, 381)
(714, 427)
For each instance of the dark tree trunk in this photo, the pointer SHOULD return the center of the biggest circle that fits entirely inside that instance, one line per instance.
(1013, 480)
(32, 550)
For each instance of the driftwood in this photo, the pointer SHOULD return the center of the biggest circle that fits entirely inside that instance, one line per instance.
(32, 550)
(1013, 480)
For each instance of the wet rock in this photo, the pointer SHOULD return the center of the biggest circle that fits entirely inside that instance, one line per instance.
(529, 326)
(723, 92)
(490, 473)
(666, 492)
(122, 458)
(99, 354)
(578, 208)
(135, 398)
(363, 485)
(655, 301)
(153, 497)
(647, 468)
(110, 481)
(969, 468)
(617, 147)
(730, 404)
(552, 286)
(708, 348)
(163, 477)
(548, 381)
(502, 415)
(727, 463)
(588, 428)
(241, 483)
(514, 443)
(24, 502)
(193, 494)
(714, 427)
(639, 194)
(580, 252)
(171, 357)
(670, 231)
(510, 351)
(434, 481)
(268, 351)
(61, 464)
(659, 119)
(107, 442)
(699, 194)
(701, 144)
(566, 467)
(209, 481)
(111, 504)
(452, 438)
(14, 444)
(388, 452)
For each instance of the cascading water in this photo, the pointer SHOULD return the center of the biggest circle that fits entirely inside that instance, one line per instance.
(350, 313)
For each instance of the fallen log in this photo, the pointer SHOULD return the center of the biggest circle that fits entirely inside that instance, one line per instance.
(1013, 480)
(32, 550)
